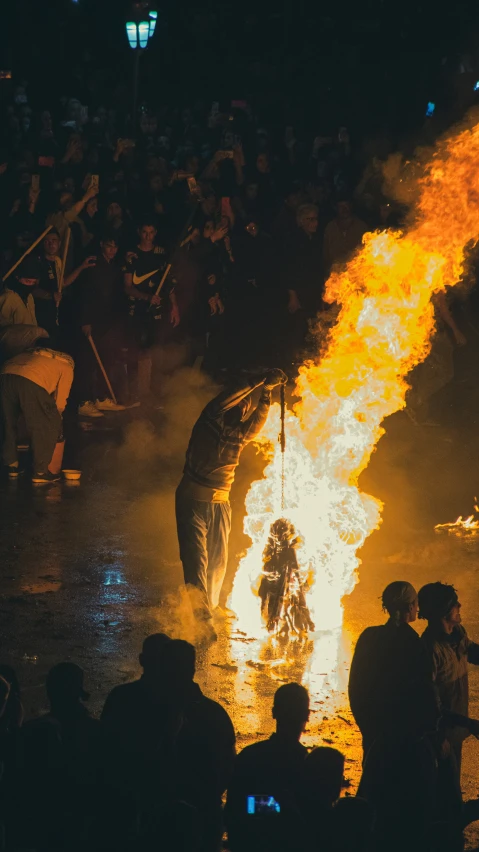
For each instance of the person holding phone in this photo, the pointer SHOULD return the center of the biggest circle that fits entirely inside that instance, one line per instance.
(270, 772)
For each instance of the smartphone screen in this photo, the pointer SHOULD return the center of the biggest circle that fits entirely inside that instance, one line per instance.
(260, 804)
(94, 182)
(430, 109)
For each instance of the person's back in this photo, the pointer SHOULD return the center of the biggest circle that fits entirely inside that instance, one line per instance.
(270, 769)
(47, 368)
(60, 767)
(331, 823)
(390, 682)
(134, 718)
(205, 743)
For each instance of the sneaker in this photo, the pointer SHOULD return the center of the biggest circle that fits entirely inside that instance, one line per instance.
(89, 409)
(48, 476)
(13, 470)
(108, 405)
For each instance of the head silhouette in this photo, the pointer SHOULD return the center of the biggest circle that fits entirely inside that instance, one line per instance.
(64, 686)
(151, 656)
(323, 775)
(179, 663)
(436, 601)
(399, 599)
(291, 709)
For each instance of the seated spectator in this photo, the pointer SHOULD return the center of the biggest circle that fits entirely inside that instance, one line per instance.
(131, 713)
(271, 768)
(61, 755)
(338, 825)
(205, 742)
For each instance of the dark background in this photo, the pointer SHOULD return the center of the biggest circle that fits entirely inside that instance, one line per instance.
(371, 65)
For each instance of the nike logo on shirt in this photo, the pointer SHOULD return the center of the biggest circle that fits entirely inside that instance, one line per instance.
(138, 279)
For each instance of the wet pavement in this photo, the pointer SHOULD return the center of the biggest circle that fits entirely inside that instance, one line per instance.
(89, 570)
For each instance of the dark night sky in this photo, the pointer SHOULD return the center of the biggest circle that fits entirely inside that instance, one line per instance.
(372, 57)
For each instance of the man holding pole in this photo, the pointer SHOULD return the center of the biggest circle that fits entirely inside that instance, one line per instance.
(203, 511)
(48, 293)
(100, 318)
(150, 290)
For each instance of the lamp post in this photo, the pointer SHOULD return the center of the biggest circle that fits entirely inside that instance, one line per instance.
(139, 29)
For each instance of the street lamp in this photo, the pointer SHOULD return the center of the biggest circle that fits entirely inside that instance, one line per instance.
(139, 29)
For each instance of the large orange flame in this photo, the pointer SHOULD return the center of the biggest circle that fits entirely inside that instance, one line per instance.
(383, 329)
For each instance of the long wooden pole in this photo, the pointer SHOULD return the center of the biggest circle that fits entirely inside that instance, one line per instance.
(180, 242)
(40, 238)
(62, 271)
(64, 260)
(163, 279)
(100, 364)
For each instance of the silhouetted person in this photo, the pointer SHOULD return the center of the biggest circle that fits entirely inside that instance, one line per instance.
(271, 768)
(138, 733)
(61, 769)
(205, 743)
(390, 682)
(393, 703)
(130, 714)
(331, 823)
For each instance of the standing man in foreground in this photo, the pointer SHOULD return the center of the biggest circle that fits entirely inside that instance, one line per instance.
(203, 511)
(390, 682)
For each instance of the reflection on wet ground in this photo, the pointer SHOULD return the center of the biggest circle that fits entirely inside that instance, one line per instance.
(85, 569)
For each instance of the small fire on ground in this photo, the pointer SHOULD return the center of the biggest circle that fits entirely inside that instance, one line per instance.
(462, 526)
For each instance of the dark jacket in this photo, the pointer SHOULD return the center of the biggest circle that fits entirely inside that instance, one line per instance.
(272, 767)
(102, 294)
(390, 683)
(303, 268)
(215, 447)
(449, 655)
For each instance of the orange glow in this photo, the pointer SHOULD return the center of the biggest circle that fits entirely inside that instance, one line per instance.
(462, 526)
(385, 321)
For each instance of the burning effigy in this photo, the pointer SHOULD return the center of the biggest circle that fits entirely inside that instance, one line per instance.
(283, 584)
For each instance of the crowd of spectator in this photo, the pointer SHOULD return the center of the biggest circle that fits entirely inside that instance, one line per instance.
(245, 220)
(159, 769)
(196, 236)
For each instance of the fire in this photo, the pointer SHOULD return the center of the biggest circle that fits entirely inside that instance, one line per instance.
(384, 325)
(462, 526)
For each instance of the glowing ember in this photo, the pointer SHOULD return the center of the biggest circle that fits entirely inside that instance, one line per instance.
(462, 526)
(384, 324)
